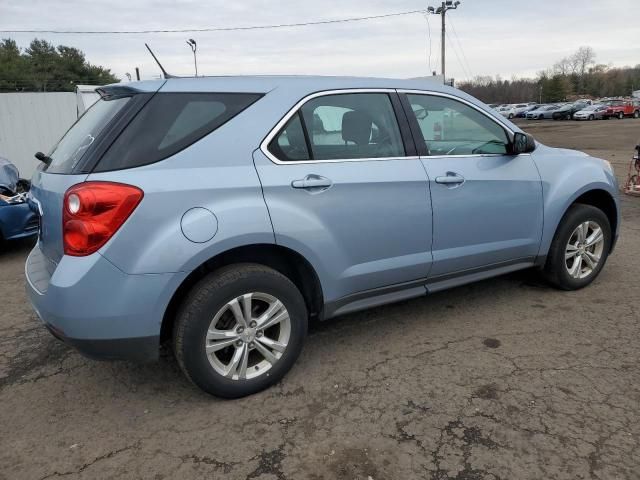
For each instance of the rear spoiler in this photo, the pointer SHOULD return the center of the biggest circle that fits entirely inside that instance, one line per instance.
(111, 92)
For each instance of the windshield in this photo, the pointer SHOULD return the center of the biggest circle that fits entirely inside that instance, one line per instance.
(71, 148)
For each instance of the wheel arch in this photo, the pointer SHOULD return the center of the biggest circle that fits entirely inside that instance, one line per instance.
(595, 196)
(604, 201)
(282, 259)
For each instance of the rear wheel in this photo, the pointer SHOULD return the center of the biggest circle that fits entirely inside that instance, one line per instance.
(579, 248)
(240, 330)
(636, 114)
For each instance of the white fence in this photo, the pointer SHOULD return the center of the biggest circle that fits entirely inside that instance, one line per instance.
(34, 122)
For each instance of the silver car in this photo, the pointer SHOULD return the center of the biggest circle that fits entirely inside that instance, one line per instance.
(540, 112)
(592, 112)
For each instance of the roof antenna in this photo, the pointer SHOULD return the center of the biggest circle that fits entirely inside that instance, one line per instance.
(164, 72)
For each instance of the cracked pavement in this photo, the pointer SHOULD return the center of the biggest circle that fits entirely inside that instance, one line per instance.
(503, 379)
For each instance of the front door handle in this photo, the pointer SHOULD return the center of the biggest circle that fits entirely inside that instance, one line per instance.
(451, 179)
(312, 182)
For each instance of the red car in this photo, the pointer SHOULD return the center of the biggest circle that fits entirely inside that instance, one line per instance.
(623, 108)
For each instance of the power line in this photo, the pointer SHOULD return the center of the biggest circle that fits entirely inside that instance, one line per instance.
(426, 16)
(464, 55)
(455, 50)
(223, 29)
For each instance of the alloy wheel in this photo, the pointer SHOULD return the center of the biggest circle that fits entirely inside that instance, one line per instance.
(584, 249)
(247, 336)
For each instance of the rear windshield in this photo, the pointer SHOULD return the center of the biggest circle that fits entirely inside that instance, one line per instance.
(169, 123)
(72, 147)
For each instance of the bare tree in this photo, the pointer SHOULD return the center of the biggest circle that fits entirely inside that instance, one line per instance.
(581, 61)
(564, 67)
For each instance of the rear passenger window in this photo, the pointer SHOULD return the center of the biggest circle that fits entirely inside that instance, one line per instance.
(169, 123)
(341, 127)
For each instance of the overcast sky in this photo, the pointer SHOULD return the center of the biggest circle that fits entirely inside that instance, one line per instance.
(505, 37)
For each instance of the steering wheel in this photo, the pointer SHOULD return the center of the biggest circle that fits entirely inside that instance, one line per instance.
(490, 142)
(450, 152)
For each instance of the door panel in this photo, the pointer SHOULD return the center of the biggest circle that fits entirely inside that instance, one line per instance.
(487, 204)
(494, 216)
(362, 224)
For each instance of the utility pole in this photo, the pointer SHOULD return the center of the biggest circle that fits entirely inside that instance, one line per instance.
(192, 44)
(442, 10)
(442, 40)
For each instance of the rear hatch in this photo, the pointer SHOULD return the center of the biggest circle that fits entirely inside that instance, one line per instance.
(73, 157)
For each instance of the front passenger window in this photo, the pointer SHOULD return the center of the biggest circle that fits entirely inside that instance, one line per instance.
(450, 127)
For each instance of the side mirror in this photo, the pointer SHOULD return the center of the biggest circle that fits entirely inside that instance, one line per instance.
(522, 143)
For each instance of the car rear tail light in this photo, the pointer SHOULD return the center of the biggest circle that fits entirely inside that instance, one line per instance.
(93, 211)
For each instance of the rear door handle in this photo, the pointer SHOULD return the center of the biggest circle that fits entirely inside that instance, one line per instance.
(312, 182)
(450, 179)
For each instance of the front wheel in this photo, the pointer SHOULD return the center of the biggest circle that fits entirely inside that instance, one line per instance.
(620, 115)
(636, 114)
(240, 330)
(579, 248)
(591, 117)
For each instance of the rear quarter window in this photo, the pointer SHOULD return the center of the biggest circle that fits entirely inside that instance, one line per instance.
(169, 123)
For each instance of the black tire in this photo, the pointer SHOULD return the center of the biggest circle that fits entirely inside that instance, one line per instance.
(620, 115)
(555, 269)
(208, 297)
(591, 117)
(636, 114)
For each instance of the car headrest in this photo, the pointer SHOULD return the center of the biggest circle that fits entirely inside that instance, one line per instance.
(356, 127)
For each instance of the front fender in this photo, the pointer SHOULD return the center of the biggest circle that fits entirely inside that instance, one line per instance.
(566, 176)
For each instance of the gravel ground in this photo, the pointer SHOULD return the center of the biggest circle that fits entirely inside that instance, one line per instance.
(504, 379)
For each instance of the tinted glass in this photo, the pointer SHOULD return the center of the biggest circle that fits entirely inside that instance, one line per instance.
(351, 126)
(169, 123)
(450, 127)
(72, 147)
(290, 145)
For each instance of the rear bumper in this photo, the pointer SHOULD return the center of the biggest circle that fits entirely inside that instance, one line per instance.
(101, 311)
(142, 350)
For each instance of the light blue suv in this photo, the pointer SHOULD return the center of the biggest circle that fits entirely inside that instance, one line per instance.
(222, 214)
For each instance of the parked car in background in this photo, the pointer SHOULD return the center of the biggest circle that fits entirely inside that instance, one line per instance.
(591, 112)
(516, 110)
(222, 214)
(623, 108)
(530, 107)
(17, 220)
(544, 111)
(565, 112)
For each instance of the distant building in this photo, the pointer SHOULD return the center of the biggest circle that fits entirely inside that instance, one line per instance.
(434, 78)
